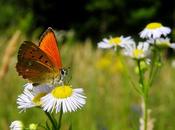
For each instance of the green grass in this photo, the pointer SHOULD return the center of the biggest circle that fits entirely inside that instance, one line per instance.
(112, 103)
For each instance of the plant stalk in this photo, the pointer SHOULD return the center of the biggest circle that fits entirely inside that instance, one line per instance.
(60, 118)
(144, 95)
(51, 120)
(145, 111)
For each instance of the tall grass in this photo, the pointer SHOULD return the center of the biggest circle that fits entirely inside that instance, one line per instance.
(111, 102)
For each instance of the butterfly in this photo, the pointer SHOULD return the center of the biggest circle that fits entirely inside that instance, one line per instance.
(41, 64)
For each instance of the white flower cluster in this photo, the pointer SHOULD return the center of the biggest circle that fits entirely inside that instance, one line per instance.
(155, 34)
(51, 98)
(18, 125)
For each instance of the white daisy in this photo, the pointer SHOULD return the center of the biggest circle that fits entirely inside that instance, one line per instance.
(114, 42)
(154, 30)
(16, 125)
(162, 43)
(139, 51)
(63, 96)
(31, 98)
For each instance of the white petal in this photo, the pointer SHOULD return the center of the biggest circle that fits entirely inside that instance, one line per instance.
(69, 104)
(104, 45)
(172, 45)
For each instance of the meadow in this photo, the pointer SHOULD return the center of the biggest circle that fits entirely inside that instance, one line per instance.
(112, 103)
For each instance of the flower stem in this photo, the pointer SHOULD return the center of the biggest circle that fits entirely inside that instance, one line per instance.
(145, 111)
(141, 78)
(51, 120)
(60, 118)
(144, 95)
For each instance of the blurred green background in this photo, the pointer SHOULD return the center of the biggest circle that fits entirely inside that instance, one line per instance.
(90, 18)
(112, 103)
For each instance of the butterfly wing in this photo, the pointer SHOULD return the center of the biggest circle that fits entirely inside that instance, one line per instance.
(33, 64)
(48, 44)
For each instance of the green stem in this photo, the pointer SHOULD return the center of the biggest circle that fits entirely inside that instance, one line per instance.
(51, 120)
(153, 60)
(126, 74)
(152, 78)
(144, 96)
(156, 66)
(145, 111)
(156, 60)
(141, 79)
(60, 118)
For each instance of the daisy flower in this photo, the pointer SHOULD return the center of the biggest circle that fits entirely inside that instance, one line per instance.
(65, 98)
(31, 98)
(139, 51)
(162, 43)
(114, 42)
(16, 125)
(154, 30)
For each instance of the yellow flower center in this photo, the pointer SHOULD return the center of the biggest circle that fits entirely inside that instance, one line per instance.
(37, 98)
(137, 53)
(116, 40)
(154, 25)
(104, 62)
(62, 92)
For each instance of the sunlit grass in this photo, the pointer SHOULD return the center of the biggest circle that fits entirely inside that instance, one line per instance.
(112, 104)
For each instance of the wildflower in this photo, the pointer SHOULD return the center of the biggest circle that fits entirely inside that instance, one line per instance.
(31, 98)
(139, 51)
(143, 66)
(114, 42)
(154, 30)
(64, 97)
(33, 126)
(103, 63)
(162, 43)
(16, 125)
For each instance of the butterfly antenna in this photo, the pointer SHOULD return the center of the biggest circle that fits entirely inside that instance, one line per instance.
(70, 73)
(69, 79)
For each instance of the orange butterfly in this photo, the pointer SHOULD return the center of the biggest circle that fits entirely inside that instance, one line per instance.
(41, 64)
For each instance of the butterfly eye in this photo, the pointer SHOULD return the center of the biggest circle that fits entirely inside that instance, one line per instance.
(62, 71)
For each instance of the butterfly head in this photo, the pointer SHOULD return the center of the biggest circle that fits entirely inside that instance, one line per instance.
(63, 76)
(63, 72)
